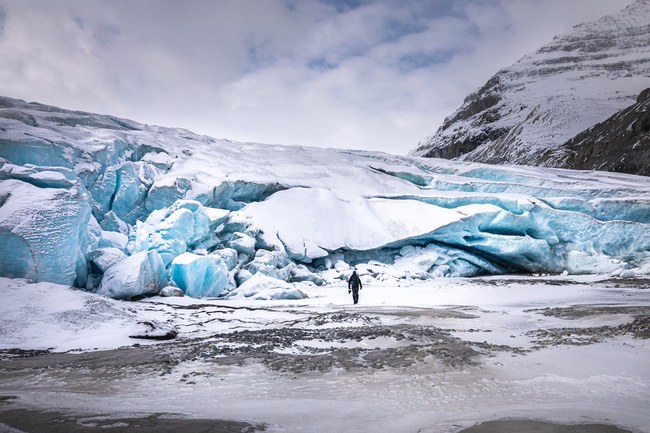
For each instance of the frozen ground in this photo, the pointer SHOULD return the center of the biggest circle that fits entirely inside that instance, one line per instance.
(440, 356)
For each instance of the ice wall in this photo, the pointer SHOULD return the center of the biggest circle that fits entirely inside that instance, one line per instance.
(43, 227)
(83, 197)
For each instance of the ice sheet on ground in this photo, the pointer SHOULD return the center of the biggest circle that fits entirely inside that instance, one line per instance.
(602, 381)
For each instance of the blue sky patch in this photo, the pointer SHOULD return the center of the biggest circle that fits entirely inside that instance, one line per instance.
(320, 64)
(3, 20)
(415, 61)
(344, 5)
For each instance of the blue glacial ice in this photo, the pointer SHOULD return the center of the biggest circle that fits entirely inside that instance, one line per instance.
(123, 189)
(84, 198)
(199, 276)
(171, 231)
(229, 256)
(113, 239)
(102, 259)
(274, 264)
(44, 232)
(140, 274)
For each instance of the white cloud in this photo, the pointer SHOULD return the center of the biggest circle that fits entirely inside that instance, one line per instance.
(362, 74)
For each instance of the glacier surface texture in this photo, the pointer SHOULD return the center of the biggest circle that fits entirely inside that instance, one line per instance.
(126, 209)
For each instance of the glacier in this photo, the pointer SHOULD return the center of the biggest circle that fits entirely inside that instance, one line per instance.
(125, 209)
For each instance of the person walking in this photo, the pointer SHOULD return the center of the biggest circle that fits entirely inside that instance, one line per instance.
(354, 285)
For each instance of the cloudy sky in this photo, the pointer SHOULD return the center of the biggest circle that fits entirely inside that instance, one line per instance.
(363, 74)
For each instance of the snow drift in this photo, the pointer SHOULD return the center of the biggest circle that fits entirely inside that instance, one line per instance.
(87, 199)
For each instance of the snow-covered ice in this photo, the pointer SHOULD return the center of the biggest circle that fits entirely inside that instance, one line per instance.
(142, 273)
(76, 186)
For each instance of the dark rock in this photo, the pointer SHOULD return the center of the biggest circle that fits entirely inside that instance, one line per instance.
(620, 143)
(170, 291)
(154, 330)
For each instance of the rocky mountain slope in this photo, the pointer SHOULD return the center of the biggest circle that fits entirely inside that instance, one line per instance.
(527, 111)
(621, 143)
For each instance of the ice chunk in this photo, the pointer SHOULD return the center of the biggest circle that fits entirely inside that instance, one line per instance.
(43, 232)
(43, 177)
(261, 286)
(171, 291)
(94, 232)
(236, 222)
(341, 266)
(628, 273)
(242, 276)
(113, 223)
(440, 261)
(166, 190)
(172, 230)
(159, 160)
(275, 264)
(276, 259)
(168, 248)
(185, 219)
(229, 257)
(242, 243)
(142, 273)
(235, 195)
(408, 249)
(579, 262)
(133, 182)
(199, 276)
(300, 273)
(113, 239)
(103, 258)
(103, 191)
(216, 216)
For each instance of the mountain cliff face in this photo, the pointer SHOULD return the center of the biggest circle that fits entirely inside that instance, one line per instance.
(529, 110)
(621, 143)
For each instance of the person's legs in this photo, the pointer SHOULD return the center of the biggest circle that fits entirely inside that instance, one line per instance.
(355, 295)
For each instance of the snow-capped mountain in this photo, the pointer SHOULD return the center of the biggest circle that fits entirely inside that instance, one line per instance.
(620, 143)
(527, 111)
(125, 209)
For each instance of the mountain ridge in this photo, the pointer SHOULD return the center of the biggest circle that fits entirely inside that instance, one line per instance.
(620, 143)
(536, 105)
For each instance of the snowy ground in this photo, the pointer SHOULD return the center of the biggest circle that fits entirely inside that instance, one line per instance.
(438, 356)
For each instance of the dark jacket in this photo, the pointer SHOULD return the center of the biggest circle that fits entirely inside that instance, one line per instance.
(354, 282)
